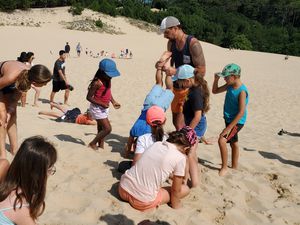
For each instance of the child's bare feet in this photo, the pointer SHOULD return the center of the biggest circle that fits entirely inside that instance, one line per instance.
(222, 172)
(92, 146)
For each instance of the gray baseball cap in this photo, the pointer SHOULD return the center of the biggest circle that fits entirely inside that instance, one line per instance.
(167, 22)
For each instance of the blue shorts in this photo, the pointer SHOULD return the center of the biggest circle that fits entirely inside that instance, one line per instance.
(158, 96)
(140, 127)
(201, 127)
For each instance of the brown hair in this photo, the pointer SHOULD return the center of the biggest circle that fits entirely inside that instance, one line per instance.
(178, 137)
(202, 84)
(157, 130)
(28, 173)
(39, 74)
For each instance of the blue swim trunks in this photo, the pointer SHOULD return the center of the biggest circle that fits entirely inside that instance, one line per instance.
(140, 127)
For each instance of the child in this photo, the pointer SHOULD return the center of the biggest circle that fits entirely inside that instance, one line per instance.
(99, 95)
(72, 116)
(156, 118)
(194, 109)
(157, 96)
(235, 112)
(23, 189)
(141, 185)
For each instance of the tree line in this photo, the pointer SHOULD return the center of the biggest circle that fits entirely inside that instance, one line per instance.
(259, 25)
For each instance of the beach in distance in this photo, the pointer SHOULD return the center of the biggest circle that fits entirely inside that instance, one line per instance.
(264, 190)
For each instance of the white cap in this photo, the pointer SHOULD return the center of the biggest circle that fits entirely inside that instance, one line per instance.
(167, 22)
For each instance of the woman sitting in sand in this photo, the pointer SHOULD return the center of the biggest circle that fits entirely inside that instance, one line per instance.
(23, 189)
(72, 116)
(141, 185)
(15, 78)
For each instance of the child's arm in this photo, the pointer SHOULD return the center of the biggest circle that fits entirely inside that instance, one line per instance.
(216, 89)
(196, 119)
(91, 92)
(169, 82)
(114, 103)
(176, 192)
(242, 108)
(159, 77)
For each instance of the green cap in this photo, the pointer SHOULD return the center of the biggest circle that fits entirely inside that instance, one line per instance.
(230, 69)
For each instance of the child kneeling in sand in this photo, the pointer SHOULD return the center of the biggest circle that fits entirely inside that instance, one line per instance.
(141, 185)
(235, 112)
(72, 116)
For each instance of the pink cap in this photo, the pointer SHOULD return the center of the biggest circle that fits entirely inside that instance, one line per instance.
(190, 134)
(155, 114)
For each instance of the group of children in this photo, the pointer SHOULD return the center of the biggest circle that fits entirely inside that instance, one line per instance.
(158, 156)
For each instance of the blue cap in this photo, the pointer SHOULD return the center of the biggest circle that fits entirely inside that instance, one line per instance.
(109, 67)
(184, 72)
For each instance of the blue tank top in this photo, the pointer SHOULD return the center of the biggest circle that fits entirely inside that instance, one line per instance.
(184, 56)
(231, 105)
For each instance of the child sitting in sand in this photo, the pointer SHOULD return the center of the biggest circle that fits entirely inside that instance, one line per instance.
(99, 95)
(235, 112)
(157, 96)
(141, 185)
(72, 116)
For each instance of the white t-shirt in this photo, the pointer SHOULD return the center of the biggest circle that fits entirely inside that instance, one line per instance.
(145, 141)
(147, 176)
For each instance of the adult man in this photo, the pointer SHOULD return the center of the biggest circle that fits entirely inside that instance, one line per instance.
(185, 49)
(59, 78)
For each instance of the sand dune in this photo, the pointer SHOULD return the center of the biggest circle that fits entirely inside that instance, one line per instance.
(265, 189)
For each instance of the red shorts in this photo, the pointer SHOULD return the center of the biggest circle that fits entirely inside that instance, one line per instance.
(137, 204)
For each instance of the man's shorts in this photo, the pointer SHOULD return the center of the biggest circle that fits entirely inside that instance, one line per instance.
(232, 137)
(179, 99)
(98, 112)
(140, 127)
(58, 85)
(158, 96)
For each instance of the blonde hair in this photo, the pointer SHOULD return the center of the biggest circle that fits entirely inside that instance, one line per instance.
(39, 74)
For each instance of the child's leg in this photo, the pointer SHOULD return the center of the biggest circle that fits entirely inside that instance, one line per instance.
(178, 120)
(235, 154)
(36, 95)
(128, 146)
(193, 165)
(105, 130)
(223, 150)
(59, 107)
(53, 114)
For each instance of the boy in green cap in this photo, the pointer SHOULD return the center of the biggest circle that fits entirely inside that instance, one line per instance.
(235, 112)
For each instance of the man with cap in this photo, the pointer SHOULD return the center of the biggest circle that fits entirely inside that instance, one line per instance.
(59, 78)
(185, 49)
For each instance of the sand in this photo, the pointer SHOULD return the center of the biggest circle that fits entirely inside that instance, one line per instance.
(264, 190)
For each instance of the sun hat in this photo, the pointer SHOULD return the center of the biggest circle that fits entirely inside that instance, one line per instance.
(230, 69)
(184, 72)
(190, 134)
(155, 114)
(109, 67)
(167, 22)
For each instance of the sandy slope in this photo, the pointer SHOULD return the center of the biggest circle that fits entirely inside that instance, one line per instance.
(265, 190)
